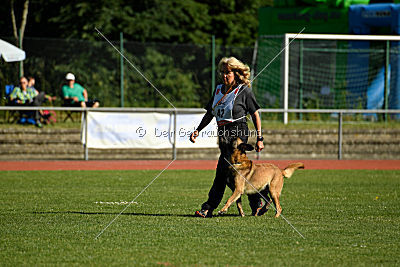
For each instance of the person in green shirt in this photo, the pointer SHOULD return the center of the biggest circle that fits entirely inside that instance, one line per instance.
(75, 95)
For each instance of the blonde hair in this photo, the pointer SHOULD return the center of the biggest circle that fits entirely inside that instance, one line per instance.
(241, 70)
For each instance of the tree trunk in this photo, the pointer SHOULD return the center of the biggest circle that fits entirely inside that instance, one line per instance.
(19, 34)
(23, 21)
(14, 23)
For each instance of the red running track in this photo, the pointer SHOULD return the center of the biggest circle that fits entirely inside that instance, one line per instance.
(190, 165)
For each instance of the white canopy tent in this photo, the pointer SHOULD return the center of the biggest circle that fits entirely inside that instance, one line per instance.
(11, 53)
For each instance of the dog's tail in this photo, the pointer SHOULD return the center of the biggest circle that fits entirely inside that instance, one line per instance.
(289, 170)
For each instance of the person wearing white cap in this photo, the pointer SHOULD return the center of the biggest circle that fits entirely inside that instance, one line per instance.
(75, 95)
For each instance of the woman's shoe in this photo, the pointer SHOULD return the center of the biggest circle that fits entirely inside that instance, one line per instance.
(202, 213)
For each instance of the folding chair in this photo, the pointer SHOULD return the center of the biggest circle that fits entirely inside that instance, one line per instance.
(9, 89)
(10, 116)
(68, 113)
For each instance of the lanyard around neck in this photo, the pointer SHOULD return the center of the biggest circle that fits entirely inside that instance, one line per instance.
(222, 98)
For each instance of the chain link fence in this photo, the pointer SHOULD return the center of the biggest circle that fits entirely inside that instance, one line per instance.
(181, 72)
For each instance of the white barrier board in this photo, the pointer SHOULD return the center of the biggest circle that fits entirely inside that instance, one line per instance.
(146, 130)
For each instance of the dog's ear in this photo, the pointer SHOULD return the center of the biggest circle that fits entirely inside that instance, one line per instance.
(223, 141)
(245, 147)
(249, 147)
(237, 142)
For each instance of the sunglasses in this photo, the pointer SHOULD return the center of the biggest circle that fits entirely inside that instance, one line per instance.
(222, 73)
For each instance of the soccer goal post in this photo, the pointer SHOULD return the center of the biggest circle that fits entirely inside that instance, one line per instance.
(336, 71)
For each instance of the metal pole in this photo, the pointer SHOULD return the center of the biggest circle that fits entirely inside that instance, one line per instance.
(286, 80)
(340, 135)
(253, 62)
(301, 79)
(387, 66)
(86, 135)
(258, 153)
(213, 63)
(174, 144)
(121, 37)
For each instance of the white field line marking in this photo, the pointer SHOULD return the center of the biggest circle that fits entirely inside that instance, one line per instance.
(133, 66)
(113, 202)
(133, 200)
(264, 198)
(144, 77)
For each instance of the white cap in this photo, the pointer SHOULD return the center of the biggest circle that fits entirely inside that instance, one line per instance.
(70, 76)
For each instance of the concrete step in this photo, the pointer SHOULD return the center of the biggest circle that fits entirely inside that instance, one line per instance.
(47, 143)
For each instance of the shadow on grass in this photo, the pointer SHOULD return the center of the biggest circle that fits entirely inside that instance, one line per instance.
(126, 214)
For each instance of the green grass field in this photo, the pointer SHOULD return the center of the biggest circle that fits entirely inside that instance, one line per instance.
(53, 217)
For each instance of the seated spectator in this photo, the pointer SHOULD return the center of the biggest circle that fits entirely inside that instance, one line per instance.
(26, 96)
(31, 84)
(46, 115)
(75, 95)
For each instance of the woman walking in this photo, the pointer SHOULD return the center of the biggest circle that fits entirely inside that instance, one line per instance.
(231, 102)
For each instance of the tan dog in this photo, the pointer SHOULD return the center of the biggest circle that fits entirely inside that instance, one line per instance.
(265, 178)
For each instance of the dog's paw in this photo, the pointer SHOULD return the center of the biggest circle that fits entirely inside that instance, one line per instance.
(221, 212)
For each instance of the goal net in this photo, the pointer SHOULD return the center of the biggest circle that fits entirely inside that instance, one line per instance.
(329, 72)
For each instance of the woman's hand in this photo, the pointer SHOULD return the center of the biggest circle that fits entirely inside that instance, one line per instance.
(259, 146)
(193, 136)
(257, 124)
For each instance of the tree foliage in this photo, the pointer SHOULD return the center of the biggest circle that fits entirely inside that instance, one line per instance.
(168, 40)
(233, 22)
